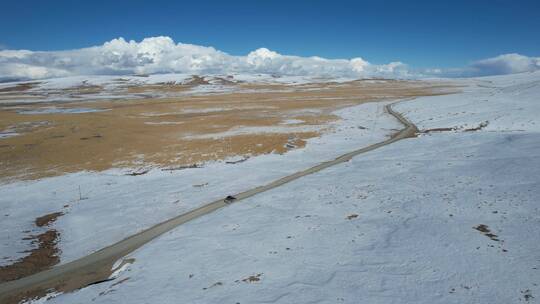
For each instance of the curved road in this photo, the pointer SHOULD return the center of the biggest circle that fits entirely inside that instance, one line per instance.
(97, 267)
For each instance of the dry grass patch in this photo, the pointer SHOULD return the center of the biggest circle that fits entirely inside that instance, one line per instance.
(168, 132)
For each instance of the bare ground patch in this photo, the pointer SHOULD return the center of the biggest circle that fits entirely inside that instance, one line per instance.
(40, 258)
(21, 87)
(484, 229)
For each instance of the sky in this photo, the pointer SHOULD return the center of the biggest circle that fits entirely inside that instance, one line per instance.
(420, 33)
(423, 34)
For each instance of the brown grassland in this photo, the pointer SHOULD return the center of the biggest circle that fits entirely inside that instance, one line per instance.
(178, 131)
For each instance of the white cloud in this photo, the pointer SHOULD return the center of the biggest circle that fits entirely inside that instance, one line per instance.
(359, 65)
(499, 65)
(393, 68)
(506, 64)
(25, 71)
(163, 55)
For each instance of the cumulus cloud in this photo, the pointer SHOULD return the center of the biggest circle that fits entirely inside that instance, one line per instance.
(499, 65)
(163, 55)
(506, 64)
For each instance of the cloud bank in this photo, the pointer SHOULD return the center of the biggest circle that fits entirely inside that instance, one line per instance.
(163, 55)
(506, 64)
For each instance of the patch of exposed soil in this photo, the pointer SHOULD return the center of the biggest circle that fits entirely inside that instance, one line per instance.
(253, 278)
(197, 80)
(213, 285)
(352, 216)
(527, 295)
(162, 87)
(480, 127)
(137, 173)
(48, 219)
(21, 87)
(437, 130)
(484, 229)
(39, 259)
(99, 273)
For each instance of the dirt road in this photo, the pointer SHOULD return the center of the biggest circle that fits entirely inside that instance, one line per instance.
(98, 266)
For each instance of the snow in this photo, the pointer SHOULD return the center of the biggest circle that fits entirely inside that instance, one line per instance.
(103, 87)
(43, 299)
(412, 242)
(394, 225)
(21, 127)
(163, 123)
(291, 121)
(7, 133)
(56, 110)
(118, 205)
(507, 103)
(244, 130)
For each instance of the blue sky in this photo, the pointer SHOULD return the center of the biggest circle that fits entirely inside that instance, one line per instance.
(420, 33)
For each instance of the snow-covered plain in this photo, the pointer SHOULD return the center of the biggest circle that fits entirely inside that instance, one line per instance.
(115, 205)
(448, 217)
